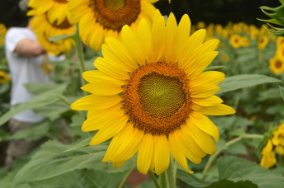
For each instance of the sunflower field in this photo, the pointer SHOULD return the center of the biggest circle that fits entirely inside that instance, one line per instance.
(139, 99)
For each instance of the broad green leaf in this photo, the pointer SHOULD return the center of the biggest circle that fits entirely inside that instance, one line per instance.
(230, 184)
(237, 149)
(238, 132)
(4, 135)
(238, 169)
(81, 144)
(243, 81)
(44, 99)
(190, 179)
(272, 93)
(33, 133)
(77, 120)
(281, 92)
(39, 88)
(81, 178)
(51, 161)
(53, 111)
(147, 184)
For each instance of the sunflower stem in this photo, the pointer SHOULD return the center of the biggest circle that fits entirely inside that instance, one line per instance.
(80, 54)
(215, 155)
(170, 177)
(153, 177)
(126, 177)
(162, 180)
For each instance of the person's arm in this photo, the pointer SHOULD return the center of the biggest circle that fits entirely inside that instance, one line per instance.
(29, 47)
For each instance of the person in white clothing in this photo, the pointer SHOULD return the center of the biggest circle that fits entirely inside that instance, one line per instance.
(25, 56)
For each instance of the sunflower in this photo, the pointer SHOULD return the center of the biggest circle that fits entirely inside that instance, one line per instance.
(275, 143)
(56, 10)
(99, 19)
(280, 52)
(3, 29)
(45, 30)
(235, 41)
(276, 64)
(225, 57)
(245, 41)
(4, 78)
(254, 33)
(200, 25)
(280, 42)
(262, 42)
(151, 95)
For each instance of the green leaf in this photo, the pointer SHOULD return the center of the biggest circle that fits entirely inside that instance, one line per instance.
(52, 111)
(190, 179)
(214, 68)
(4, 135)
(57, 38)
(44, 99)
(231, 184)
(238, 169)
(281, 92)
(39, 88)
(81, 178)
(81, 144)
(32, 133)
(77, 120)
(51, 161)
(237, 132)
(243, 81)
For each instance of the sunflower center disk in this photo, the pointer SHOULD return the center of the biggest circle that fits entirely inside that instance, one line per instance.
(114, 14)
(156, 98)
(161, 96)
(278, 64)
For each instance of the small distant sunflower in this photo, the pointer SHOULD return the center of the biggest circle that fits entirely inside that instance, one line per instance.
(275, 143)
(226, 33)
(280, 52)
(200, 25)
(237, 28)
(56, 10)
(151, 95)
(235, 41)
(1, 41)
(262, 42)
(4, 78)
(245, 42)
(99, 19)
(280, 42)
(225, 57)
(3, 29)
(218, 29)
(276, 65)
(254, 34)
(45, 30)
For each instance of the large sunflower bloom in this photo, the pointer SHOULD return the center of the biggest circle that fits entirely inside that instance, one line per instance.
(45, 30)
(151, 95)
(56, 10)
(105, 18)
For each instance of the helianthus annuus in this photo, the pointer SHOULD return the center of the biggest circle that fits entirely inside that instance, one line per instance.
(245, 41)
(280, 42)
(262, 42)
(99, 19)
(151, 95)
(4, 78)
(45, 30)
(56, 10)
(225, 57)
(276, 65)
(275, 143)
(235, 41)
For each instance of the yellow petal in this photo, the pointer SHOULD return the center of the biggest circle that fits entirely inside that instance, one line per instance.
(118, 164)
(179, 156)
(102, 88)
(203, 91)
(208, 78)
(96, 75)
(217, 110)
(125, 144)
(210, 101)
(102, 119)
(107, 67)
(144, 37)
(173, 137)
(132, 45)
(162, 154)
(108, 132)
(202, 139)
(205, 124)
(171, 29)
(158, 39)
(279, 149)
(145, 150)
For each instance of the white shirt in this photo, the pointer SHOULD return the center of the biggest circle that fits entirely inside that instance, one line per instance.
(24, 69)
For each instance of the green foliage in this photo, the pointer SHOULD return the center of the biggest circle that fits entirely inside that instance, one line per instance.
(231, 184)
(242, 81)
(51, 161)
